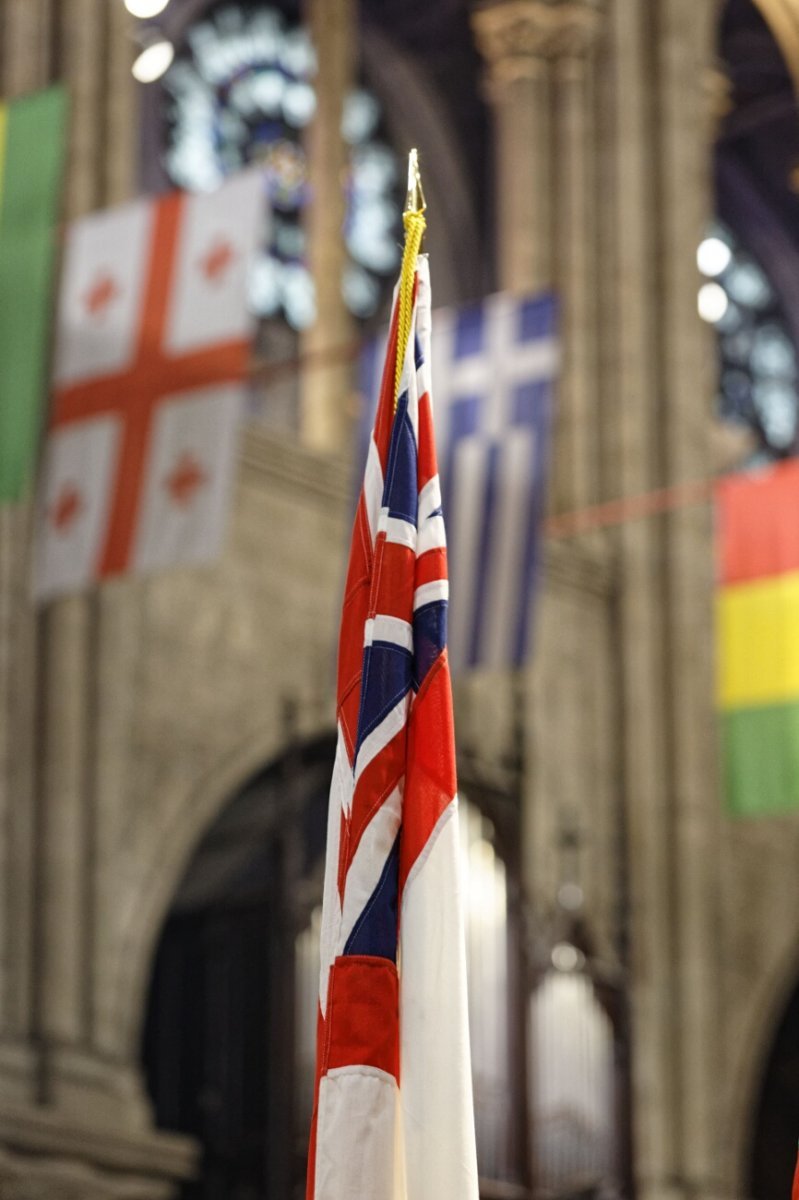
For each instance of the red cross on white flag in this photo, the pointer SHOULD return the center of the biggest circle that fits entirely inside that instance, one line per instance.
(151, 353)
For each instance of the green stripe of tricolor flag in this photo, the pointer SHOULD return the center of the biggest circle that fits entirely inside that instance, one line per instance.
(31, 161)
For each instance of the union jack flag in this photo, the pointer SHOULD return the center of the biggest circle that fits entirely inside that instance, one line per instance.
(393, 1117)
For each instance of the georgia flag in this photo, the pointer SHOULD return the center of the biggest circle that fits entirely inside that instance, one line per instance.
(152, 344)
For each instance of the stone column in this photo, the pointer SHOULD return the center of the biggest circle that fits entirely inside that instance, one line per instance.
(540, 86)
(576, 441)
(539, 83)
(25, 59)
(65, 832)
(684, 39)
(513, 38)
(324, 418)
(631, 324)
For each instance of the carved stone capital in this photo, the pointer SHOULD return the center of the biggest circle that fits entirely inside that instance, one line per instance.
(517, 37)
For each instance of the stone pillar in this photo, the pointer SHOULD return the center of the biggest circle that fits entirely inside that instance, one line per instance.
(540, 86)
(65, 830)
(539, 83)
(575, 467)
(324, 417)
(684, 45)
(513, 38)
(634, 385)
(25, 61)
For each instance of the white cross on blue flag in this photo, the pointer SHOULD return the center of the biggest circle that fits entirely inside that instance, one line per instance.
(495, 365)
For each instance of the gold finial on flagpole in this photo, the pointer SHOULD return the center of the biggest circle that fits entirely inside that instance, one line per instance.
(415, 202)
(414, 222)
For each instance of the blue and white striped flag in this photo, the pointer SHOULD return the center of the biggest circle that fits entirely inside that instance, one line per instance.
(495, 364)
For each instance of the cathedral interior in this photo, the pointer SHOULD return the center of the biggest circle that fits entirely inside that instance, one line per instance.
(167, 739)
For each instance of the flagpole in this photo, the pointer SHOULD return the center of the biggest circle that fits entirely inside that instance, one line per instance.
(415, 224)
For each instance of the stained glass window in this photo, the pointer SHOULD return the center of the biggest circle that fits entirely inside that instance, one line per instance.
(758, 377)
(241, 91)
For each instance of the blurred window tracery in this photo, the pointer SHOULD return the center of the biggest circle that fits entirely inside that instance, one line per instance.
(241, 92)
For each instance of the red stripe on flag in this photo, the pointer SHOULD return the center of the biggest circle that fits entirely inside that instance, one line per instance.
(362, 1024)
(428, 466)
(353, 617)
(758, 531)
(431, 566)
(392, 585)
(431, 780)
(136, 439)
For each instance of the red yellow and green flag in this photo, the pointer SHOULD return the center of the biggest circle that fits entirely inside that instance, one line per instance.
(758, 638)
(31, 165)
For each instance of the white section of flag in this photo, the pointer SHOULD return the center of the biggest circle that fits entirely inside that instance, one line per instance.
(368, 863)
(436, 1092)
(103, 279)
(77, 478)
(228, 223)
(188, 478)
(358, 1112)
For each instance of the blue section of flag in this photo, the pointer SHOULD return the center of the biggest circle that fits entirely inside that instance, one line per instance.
(468, 331)
(429, 638)
(375, 931)
(537, 317)
(387, 671)
(400, 494)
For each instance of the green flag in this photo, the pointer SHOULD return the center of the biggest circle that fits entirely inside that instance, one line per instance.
(31, 162)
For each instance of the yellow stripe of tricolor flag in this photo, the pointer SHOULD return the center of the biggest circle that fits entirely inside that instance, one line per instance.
(758, 629)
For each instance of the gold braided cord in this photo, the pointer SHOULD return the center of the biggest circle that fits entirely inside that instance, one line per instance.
(414, 229)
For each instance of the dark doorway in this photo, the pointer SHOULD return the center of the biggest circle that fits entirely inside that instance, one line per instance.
(776, 1125)
(220, 1041)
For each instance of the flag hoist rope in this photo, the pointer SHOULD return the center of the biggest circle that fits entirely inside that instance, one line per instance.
(414, 222)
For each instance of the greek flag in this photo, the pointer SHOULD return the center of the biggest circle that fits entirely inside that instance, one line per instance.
(495, 364)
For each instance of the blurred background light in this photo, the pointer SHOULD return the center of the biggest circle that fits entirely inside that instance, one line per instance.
(153, 61)
(713, 256)
(145, 9)
(712, 302)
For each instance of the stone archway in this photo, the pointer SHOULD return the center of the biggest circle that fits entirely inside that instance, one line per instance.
(775, 1120)
(218, 1045)
(185, 818)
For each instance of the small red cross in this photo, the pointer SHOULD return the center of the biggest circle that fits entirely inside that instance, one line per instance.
(134, 393)
(217, 260)
(184, 480)
(67, 507)
(103, 292)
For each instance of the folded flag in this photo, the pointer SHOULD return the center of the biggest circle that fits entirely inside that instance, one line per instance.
(495, 363)
(152, 349)
(31, 169)
(393, 1117)
(758, 638)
